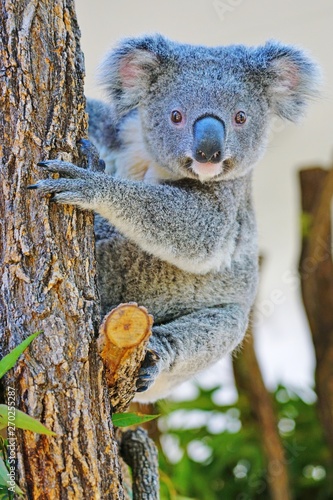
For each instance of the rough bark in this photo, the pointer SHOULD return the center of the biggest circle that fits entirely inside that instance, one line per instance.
(250, 385)
(47, 266)
(316, 270)
(140, 453)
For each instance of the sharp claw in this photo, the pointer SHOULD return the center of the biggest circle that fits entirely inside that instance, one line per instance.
(152, 358)
(143, 378)
(153, 355)
(142, 388)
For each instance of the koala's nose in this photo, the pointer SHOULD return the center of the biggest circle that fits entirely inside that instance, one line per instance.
(209, 133)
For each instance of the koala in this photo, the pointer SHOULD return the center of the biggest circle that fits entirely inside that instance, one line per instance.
(175, 228)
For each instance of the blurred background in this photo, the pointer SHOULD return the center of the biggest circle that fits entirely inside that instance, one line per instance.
(282, 336)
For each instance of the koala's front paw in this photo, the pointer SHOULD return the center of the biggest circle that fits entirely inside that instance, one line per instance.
(149, 371)
(76, 187)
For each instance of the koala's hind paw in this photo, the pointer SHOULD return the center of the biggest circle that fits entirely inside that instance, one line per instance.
(94, 163)
(149, 371)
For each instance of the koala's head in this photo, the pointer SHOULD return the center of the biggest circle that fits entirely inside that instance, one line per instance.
(205, 111)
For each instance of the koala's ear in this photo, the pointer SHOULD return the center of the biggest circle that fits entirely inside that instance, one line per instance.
(291, 78)
(128, 71)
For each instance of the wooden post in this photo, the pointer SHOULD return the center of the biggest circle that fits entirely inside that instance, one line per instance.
(316, 271)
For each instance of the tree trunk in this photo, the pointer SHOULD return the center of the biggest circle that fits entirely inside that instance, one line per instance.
(316, 269)
(250, 385)
(47, 271)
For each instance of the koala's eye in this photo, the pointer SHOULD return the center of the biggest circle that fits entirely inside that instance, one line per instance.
(240, 117)
(176, 116)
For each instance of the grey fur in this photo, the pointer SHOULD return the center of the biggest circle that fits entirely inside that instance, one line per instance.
(182, 239)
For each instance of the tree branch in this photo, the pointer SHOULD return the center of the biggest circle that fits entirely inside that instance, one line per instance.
(140, 453)
(122, 344)
(250, 384)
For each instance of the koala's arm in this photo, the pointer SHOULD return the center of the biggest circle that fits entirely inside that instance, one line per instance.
(190, 344)
(185, 224)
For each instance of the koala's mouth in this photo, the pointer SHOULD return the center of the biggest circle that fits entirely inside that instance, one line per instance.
(207, 171)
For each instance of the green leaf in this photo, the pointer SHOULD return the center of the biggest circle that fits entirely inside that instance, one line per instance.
(126, 419)
(9, 361)
(4, 477)
(3, 474)
(184, 498)
(23, 421)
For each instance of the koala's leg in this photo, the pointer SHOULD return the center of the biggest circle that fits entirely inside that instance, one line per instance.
(187, 345)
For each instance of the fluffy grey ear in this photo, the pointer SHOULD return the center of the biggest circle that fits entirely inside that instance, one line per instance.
(291, 78)
(128, 71)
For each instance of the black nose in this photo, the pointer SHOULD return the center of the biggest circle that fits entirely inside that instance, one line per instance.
(209, 135)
